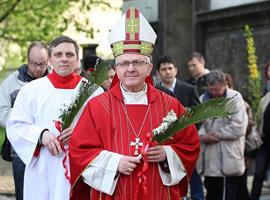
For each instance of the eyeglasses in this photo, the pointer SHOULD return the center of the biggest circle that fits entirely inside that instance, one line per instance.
(35, 64)
(135, 63)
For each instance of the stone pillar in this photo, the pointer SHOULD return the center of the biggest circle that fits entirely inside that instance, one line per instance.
(175, 31)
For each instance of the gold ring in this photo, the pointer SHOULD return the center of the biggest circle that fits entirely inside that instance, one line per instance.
(129, 169)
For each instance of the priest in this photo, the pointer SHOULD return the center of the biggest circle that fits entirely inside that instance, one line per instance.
(31, 127)
(107, 142)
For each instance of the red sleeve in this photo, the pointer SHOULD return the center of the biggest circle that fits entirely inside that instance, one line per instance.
(83, 149)
(186, 144)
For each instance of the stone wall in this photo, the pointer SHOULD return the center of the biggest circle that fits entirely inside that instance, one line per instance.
(219, 36)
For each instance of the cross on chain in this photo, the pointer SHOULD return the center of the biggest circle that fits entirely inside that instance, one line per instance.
(137, 143)
(132, 24)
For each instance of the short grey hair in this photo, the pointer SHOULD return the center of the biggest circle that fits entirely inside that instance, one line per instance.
(215, 76)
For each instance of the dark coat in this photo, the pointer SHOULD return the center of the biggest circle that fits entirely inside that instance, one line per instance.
(186, 93)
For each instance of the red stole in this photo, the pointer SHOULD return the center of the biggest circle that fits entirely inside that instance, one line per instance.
(92, 135)
(64, 82)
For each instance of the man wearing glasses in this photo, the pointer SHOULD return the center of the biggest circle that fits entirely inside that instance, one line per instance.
(107, 141)
(36, 68)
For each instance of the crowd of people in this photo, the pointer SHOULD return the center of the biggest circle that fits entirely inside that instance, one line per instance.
(105, 155)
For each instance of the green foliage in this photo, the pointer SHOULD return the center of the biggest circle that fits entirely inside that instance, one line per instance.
(217, 107)
(254, 78)
(87, 88)
(24, 21)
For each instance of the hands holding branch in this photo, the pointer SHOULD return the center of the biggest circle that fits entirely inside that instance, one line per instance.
(50, 141)
(128, 163)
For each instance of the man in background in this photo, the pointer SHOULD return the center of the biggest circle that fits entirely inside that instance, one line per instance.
(36, 67)
(221, 158)
(198, 72)
(186, 94)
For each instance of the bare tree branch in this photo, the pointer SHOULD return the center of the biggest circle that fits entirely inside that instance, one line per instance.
(5, 15)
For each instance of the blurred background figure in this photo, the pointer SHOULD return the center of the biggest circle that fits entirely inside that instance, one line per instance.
(78, 69)
(186, 95)
(242, 192)
(221, 158)
(36, 67)
(198, 72)
(267, 77)
(110, 74)
(262, 157)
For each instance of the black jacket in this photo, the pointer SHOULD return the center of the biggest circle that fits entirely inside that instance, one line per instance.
(186, 94)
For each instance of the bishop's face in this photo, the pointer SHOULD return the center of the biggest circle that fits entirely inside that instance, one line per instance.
(64, 59)
(132, 69)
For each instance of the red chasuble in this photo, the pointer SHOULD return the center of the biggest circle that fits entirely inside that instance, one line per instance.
(104, 126)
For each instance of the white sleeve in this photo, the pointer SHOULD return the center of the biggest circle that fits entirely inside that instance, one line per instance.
(176, 168)
(101, 173)
(22, 132)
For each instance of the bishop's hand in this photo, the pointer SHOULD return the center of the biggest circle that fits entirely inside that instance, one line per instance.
(156, 154)
(127, 164)
(50, 141)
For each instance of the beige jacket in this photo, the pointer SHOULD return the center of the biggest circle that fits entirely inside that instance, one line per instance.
(226, 157)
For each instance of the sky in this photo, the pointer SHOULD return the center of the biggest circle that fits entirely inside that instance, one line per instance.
(102, 20)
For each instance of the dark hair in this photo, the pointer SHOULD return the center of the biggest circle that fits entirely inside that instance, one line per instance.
(60, 40)
(90, 61)
(198, 56)
(165, 59)
(266, 69)
(215, 76)
(39, 44)
(228, 80)
(110, 65)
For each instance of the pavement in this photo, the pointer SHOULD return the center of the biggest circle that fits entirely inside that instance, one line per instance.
(7, 190)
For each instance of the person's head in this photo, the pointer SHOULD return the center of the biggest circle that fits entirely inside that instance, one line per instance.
(216, 84)
(78, 69)
(167, 69)
(267, 70)
(63, 55)
(132, 40)
(110, 74)
(132, 70)
(37, 59)
(196, 64)
(228, 80)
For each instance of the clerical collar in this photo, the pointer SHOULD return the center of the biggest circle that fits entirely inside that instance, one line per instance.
(135, 97)
(64, 82)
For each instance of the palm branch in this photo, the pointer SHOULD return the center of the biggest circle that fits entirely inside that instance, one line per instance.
(87, 88)
(217, 107)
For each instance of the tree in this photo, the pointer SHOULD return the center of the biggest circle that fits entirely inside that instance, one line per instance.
(23, 21)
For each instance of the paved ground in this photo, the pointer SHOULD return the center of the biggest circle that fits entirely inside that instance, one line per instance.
(6, 181)
(7, 185)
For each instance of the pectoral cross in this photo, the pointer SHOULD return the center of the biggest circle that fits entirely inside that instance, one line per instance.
(137, 143)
